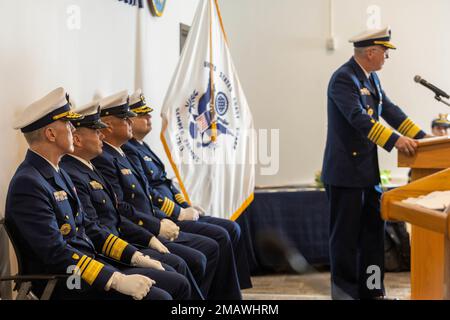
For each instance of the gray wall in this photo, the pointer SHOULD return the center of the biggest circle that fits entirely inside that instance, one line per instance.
(279, 51)
(42, 48)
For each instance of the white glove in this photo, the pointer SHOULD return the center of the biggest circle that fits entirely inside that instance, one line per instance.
(201, 211)
(141, 261)
(190, 214)
(157, 245)
(169, 230)
(134, 285)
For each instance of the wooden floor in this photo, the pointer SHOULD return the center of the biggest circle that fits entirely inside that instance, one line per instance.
(315, 286)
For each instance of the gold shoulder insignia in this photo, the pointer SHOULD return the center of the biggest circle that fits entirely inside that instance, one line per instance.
(126, 172)
(60, 195)
(96, 185)
(365, 92)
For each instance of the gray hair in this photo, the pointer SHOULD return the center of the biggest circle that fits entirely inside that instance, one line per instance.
(34, 136)
(360, 51)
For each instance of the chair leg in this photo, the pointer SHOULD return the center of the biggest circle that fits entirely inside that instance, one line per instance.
(24, 288)
(32, 296)
(46, 295)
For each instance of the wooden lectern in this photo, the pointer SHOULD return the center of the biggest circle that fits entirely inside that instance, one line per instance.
(430, 230)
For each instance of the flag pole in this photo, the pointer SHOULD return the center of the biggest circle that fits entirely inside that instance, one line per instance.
(211, 76)
(221, 21)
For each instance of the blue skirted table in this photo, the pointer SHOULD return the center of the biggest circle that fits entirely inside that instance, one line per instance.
(294, 217)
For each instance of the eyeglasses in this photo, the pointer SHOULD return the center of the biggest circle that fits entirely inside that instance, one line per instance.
(383, 49)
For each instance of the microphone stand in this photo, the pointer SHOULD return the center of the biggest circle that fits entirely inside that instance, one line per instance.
(439, 98)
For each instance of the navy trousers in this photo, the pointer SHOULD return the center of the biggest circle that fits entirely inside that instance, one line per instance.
(356, 242)
(239, 249)
(201, 255)
(225, 285)
(177, 264)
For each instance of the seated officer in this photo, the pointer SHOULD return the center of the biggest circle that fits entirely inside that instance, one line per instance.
(200, 253)
(98, 198)
(135, 190)
(50, 227)
(440, 125)
(167, 197)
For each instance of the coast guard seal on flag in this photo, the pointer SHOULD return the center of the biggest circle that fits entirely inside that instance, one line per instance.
(207, 127)
(157, 7)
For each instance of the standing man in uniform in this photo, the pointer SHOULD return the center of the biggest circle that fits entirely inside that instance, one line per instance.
(356, 102)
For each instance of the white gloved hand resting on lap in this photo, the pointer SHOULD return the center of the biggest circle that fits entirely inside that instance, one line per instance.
(189, 214)
(135, 285)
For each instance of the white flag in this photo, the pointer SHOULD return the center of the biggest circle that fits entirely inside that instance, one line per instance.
(207, 129)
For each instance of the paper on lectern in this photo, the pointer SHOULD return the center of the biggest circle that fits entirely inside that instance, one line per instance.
(437, 200)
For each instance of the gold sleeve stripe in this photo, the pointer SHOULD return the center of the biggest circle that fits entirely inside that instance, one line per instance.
(168, 206)
(165, 205)
(384, 137)
(373, 131)
(111, 246)
(92, 271)
(376, 127)
(79, 264)
(171, 208)
(105, 245)
(84, 265)
(379, 134)
(180, 198)
(404, 124)
(409, 128)
(413, 131)
(117, 250)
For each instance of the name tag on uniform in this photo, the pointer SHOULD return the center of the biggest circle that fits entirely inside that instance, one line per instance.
(147, 158)
(60, 195)
(96, 185)
(364, 92)
(126, 172)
